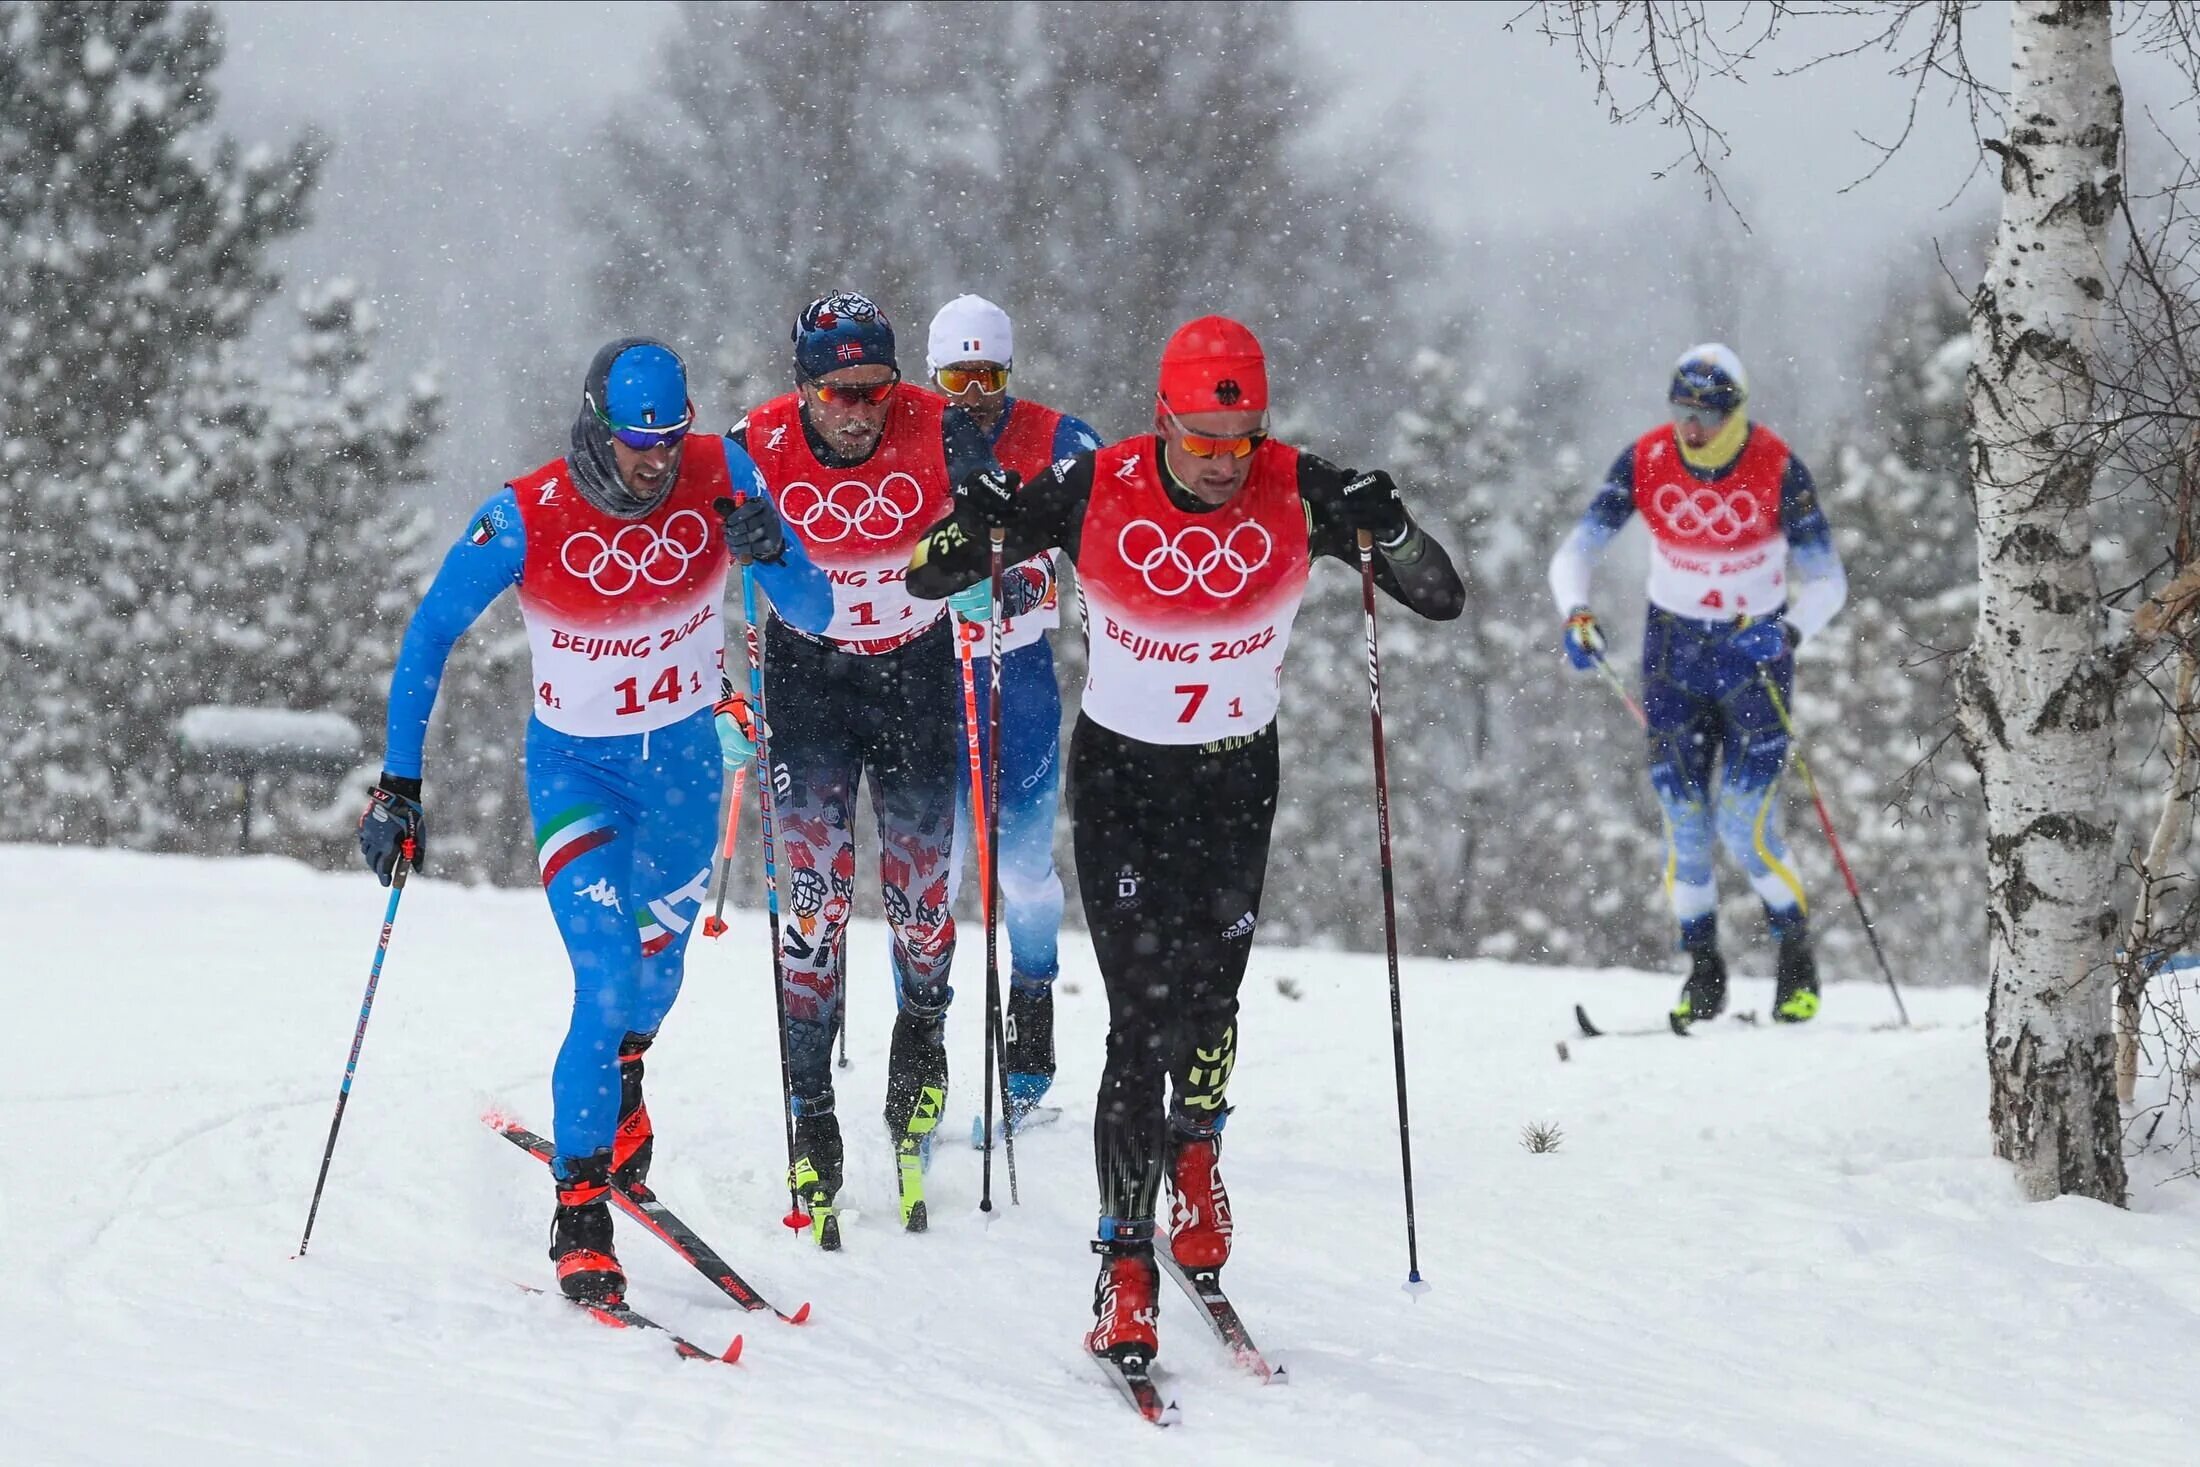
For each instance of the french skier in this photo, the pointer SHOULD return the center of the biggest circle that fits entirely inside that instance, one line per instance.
(971, 352)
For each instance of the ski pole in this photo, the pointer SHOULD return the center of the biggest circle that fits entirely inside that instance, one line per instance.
(969, 634)
(996, 1045)
(715, 924)
(1612, 680)
(796, 1217)
(1825, 823)
(1414, 1283)
(358, 1037)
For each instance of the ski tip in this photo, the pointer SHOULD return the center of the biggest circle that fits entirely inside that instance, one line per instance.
(1679, 1025)
(733, 1352)
(800, 1316)
(1168, 1415)
(1581, 1017)
(495, 1118)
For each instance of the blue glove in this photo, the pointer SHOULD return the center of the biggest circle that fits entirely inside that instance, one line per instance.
(974, 603)
(1764, 642)
(1584, 639)
(392, 821)
(738, 728)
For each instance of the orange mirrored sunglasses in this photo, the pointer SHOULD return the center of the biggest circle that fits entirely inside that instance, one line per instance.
(955, 381)
(1207, 445)
(872, 393)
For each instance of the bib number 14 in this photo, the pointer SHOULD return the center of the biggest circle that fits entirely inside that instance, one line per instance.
(666, 689)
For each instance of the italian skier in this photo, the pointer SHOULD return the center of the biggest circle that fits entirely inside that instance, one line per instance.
(619, 552)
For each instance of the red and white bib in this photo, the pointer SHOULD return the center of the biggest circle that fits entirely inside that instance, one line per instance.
(1717, 550)
(1027, 446)
(1188, 615)
(860, 523)
(623, 615)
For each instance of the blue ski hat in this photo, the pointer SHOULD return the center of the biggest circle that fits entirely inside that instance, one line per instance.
(639, 383)
(1709, 376)
(843, 329)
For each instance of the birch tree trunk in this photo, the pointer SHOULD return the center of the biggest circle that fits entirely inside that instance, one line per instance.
(2037, 694)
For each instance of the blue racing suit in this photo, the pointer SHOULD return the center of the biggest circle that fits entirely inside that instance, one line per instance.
(1724, 539)
(624, 822)
(1031, 746)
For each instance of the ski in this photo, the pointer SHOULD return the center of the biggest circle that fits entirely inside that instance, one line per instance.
(1670, 1026)
(1134, 1379)
(641, 1204)
(618, 1314)
(1204, 1287)
(1038, 1115)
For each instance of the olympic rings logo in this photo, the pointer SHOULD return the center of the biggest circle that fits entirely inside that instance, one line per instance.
(852, 507)
(638, 553)
(1705, 511)
(1220, 565)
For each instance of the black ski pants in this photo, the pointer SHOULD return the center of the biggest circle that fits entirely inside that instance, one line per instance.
(1172, 851)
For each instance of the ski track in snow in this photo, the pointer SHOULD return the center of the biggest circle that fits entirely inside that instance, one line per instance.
(1754, 1247)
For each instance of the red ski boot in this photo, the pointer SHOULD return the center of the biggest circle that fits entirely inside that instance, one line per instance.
(1123, 1304)
(1199, 1205)
(634, 1141)
(580, 1235)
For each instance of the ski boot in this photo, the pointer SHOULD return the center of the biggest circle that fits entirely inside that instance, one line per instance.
(1795, 1000)
(580, 1233)
(1030, 1047)
(1704, 995)
(1199, 1205)
(634, 1141)
(1125, 1306)
(817, 1170)
(916, 1097)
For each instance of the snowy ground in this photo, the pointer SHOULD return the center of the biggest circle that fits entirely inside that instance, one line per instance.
(1755, 1247)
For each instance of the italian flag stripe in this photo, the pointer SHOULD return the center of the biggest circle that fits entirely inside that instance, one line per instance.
(571, 835)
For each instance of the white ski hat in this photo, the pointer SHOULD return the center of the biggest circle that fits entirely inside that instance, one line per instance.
(970, 328)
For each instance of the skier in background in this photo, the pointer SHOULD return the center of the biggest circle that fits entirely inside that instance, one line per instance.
(619, 555)
(858, 460)
(1193, 546)
(1728, 507)
(970, 351)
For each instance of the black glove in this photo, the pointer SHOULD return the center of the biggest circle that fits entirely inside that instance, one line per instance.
(1371, 503)
(753, 530)
(990, 497)
(392, 818)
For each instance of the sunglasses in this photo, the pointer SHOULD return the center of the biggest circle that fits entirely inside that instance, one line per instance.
(955, 381)
(645, 440)
(872, 393)
(1207, 445)
(1697, 413)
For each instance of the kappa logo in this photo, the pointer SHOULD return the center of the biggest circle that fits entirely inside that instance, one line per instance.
(547, 493)
(1242, 927)
(1129, 470)
(603, 895)
(779, 436)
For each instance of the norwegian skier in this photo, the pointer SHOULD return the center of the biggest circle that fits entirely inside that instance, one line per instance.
(1730, 510)
(620, 557)
(971, 351)
(858, 460)
(1193, 546)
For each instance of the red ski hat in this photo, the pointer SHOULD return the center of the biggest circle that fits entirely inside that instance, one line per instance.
(1214, 365)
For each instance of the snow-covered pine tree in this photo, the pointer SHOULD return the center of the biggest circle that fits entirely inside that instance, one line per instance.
(2038, 698)
(309, 470)
(133, 242)
(1875, 695)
